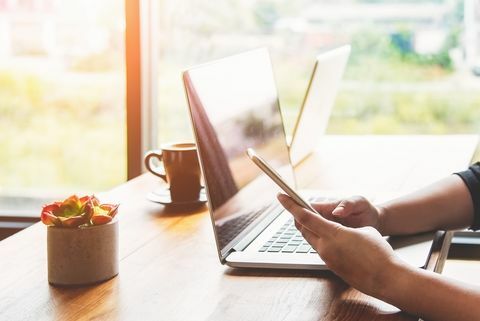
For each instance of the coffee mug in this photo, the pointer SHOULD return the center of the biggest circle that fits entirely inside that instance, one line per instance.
(181, 170)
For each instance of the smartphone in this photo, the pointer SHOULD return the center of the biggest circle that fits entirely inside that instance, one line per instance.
(275, 176)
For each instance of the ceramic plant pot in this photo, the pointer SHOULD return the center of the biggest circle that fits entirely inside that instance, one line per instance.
(78, 256)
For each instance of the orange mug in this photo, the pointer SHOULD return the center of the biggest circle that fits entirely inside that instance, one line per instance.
(181, 170)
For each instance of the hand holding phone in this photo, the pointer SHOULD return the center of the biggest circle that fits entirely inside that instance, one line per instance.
(267, 169)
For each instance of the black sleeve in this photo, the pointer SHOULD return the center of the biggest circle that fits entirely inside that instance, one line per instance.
(471, 177)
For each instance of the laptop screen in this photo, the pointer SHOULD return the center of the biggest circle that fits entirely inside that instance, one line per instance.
(234, 105)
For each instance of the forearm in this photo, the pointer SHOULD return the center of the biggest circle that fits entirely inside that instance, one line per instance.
(446, 205)
(431, 296)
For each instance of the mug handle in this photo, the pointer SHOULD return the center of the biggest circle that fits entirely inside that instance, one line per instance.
(148, 164)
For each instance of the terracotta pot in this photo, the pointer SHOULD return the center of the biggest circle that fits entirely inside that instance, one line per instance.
(79, 256)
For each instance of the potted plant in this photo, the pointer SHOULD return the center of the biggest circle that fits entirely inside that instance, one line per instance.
(82, 240)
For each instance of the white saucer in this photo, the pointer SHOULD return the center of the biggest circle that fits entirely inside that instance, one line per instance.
(162, 196)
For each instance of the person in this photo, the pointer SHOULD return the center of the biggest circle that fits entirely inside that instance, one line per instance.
(348, 237)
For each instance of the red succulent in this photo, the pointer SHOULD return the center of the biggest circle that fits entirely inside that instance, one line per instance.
(74, 211)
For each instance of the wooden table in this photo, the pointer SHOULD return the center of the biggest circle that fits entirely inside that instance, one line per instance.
(169, 269)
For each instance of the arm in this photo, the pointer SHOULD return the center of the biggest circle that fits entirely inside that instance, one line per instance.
(451, 203)
(372, 267)
(430, 295)
(444, 205)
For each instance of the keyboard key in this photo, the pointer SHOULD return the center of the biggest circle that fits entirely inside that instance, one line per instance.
(313, 251)
(274, 249)
(281, 241)
(304, 249)
(289, 249)
(263, 249)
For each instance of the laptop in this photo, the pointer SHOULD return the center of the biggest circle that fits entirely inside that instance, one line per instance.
(317, 105)
(233, 104)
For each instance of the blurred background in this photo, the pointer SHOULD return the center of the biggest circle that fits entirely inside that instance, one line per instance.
(414, 69)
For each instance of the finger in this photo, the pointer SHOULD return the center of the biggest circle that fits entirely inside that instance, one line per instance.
(315, 223)
(350, 206)
(299, 226)
(311, 238)
(325, 208)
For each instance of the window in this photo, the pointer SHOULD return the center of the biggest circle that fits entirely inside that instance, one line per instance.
(62, 100)
(414, 67)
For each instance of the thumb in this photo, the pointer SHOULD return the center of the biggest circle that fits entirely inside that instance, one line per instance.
(313, 222)
(325, 208)
(348, 206)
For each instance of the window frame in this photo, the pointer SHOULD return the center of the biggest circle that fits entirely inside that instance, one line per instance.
(141, 82)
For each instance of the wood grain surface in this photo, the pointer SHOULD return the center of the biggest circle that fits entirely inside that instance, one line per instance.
(169, 269)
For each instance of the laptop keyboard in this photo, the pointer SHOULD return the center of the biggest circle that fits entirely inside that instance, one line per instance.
(287, 240)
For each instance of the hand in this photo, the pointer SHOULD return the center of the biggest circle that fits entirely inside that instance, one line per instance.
(354, 211)
(359, 256)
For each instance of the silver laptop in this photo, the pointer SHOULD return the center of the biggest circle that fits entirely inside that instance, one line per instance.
(233, 105)
(312, 120)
